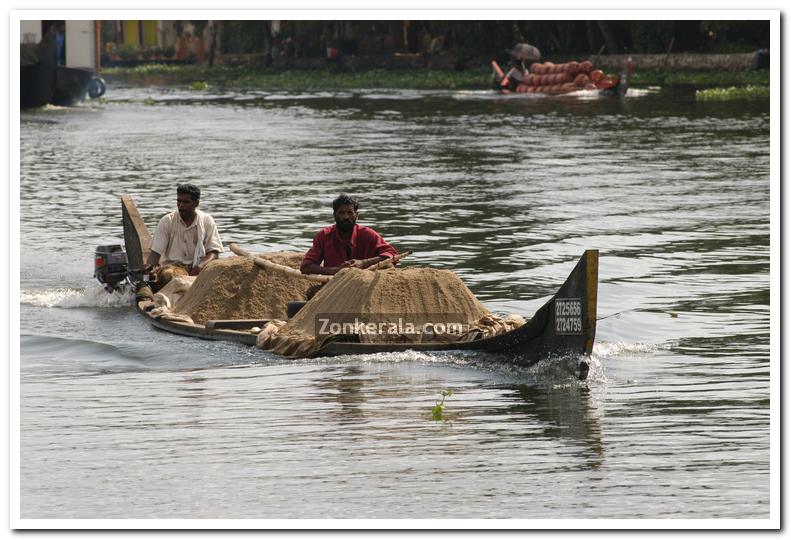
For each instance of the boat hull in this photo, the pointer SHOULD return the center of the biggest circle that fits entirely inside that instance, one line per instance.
(36, 86)
(71, 85)
(38, 69)
(564, 326)
(42, 81)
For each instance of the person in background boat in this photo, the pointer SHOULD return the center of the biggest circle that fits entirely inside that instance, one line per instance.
(345, 244)
(516, 70)
(60, 40)
(185, 240)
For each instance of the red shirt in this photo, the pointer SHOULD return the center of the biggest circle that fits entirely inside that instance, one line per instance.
(364, 243)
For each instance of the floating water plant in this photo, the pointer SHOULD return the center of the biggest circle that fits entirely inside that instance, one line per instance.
(732, 93)
(439, 406)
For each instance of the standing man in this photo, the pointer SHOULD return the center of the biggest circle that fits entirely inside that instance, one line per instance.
(345, 244)
(185, 240)
(60, 41)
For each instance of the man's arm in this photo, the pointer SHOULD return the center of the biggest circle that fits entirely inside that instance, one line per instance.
(313, 268)
(311, 262)
(159, 243)
(210, 256)
(376, 246)
(212, 244)
(152, 260)
(382, 248)
(364, 263)
(212, 240)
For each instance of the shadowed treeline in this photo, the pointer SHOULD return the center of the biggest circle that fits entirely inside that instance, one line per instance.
(556, 37)
(465, 40)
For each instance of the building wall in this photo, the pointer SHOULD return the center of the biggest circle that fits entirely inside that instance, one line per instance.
(150, 33)
(167, 33)
(130, 32)
(30, 31)
(80, 44)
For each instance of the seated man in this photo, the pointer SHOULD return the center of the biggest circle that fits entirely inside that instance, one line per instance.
(516, 69)
(345, 244)
(185, 240)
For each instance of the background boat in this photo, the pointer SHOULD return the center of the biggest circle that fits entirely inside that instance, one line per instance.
(38, 67)
(58, 61)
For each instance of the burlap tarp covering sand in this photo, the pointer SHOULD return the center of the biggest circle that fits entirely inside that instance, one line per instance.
(169, 296)
(391, 300)
(235, 288)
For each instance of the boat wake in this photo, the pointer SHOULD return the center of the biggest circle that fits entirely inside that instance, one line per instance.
(549, 370)
(52, 356)
(603, 349)
(65, 297)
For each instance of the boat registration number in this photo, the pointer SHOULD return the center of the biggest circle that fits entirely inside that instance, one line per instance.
(568, 316)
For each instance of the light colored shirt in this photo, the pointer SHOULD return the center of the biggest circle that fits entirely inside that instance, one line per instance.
(177, 242)
(516, 74)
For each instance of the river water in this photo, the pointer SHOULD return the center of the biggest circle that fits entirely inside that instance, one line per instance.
(118, 420)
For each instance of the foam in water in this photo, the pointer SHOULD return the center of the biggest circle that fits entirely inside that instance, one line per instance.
(64, 297)
(555, 370)
(605, 349)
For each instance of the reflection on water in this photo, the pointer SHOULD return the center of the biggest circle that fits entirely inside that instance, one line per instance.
(566, 412)
(121, 420)
(345, 384)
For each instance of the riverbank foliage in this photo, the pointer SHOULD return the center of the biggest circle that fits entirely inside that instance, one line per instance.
(701, 79)
(464, 38)
(322, 79)
(333, 79)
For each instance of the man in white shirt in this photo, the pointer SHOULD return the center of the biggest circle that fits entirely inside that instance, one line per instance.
(185, 240)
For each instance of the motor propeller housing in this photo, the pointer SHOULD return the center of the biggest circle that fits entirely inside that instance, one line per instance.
(110, 266)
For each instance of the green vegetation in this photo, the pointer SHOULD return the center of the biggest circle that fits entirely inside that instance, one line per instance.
(700, 79)
(195, 76)
(439, 406)
(732, 93)
(324, 79)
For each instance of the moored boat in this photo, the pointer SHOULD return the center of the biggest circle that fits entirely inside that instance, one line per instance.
(564, 327)
(38, 69)
(45, 78)
(73, 85)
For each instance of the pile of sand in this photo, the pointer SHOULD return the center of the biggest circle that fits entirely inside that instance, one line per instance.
(235, 288)
(391, 300)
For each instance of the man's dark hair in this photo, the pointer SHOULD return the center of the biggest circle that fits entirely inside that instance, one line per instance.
(343, 199)
(188, 189)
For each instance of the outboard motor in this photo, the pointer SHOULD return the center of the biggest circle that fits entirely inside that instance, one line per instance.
(110, 266)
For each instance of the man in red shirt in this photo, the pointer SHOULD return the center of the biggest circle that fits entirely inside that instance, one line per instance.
(345, 244)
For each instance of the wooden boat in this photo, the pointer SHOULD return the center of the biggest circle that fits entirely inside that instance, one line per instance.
(38, 69)
(43, 81)
(564, 327)
(73, 84)
(552, 79)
